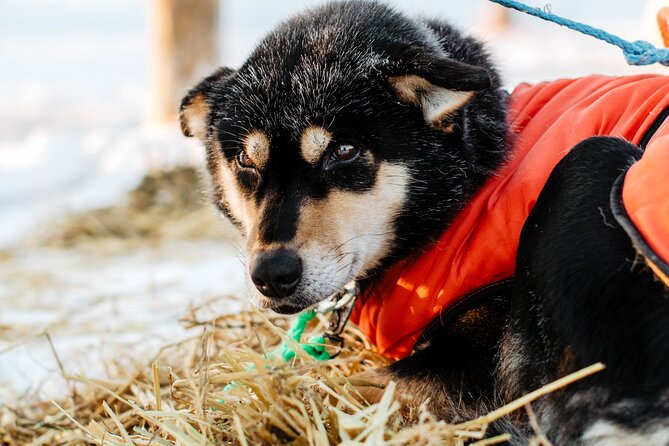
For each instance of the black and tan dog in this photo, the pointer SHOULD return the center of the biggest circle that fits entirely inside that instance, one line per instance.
(354, 137)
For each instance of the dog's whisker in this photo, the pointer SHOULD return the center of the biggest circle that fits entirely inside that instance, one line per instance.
(347, 265)
(380, 234)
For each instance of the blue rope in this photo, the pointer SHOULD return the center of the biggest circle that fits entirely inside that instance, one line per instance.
(639, 52)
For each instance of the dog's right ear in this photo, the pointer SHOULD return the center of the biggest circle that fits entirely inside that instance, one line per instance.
(196, 105)
(437, 84)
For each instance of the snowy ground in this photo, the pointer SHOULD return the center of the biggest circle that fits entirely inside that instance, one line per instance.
(99, 303)
(74, 83)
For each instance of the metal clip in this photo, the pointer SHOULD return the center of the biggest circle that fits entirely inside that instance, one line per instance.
(341, 305)
(342, 309)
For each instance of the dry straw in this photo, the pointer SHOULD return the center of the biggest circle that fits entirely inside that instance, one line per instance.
(220, 387)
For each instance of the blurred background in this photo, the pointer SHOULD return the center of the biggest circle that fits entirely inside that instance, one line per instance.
(106, 237)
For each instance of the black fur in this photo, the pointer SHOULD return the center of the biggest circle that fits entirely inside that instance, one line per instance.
(581, 281)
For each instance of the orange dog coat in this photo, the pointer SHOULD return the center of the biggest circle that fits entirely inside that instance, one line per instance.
(479, 247)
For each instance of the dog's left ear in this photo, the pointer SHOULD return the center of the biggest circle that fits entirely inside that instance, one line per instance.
(196, 105)
(436, 84)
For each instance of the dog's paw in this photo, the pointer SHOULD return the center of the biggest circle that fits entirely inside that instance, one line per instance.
(370, 385)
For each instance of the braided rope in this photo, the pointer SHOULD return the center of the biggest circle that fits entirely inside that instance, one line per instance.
(638, 52)
(314, 347)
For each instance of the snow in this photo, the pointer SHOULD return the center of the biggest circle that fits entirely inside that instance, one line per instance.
(74, 89)
(97, 304)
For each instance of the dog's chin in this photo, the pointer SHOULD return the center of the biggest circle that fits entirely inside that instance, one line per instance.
(286, 306)
(286, 309)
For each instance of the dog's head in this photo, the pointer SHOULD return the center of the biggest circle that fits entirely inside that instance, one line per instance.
(347, 141)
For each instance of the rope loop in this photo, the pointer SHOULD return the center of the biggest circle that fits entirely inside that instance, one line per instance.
(314, 347)
(644, 53)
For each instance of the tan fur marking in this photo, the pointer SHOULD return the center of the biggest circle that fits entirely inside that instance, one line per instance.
(225, 188)
(313, 142)
(347, 221)
(567, 363)
(255, 246)
(194, 117)
(409, 87)
(437, 102)
(440, 104)
(256, 145)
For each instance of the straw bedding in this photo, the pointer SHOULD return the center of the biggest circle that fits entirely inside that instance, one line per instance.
(221, 387)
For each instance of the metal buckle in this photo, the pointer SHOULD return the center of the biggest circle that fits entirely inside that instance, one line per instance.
(341, 306)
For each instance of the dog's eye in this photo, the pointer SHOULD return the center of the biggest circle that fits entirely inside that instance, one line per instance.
(345, 152)
(244, 161)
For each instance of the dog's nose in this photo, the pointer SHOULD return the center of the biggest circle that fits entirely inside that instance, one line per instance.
(276, 273)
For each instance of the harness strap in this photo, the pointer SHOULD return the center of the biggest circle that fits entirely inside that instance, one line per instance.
(656, 263)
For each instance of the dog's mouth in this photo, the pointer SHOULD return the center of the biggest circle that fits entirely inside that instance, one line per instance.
(286, 309)
(339, 301)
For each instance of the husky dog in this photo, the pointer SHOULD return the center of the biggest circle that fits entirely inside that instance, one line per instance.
(307, 144)
(351, 139)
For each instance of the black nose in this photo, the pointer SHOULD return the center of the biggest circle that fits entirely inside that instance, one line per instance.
(276, 273)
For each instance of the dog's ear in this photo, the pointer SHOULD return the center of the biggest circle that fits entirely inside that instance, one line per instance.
(435, 83)
(196, 105)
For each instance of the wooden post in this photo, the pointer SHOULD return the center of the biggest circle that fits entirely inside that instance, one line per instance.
(185, 48)
(495, 20)
(663, 24)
